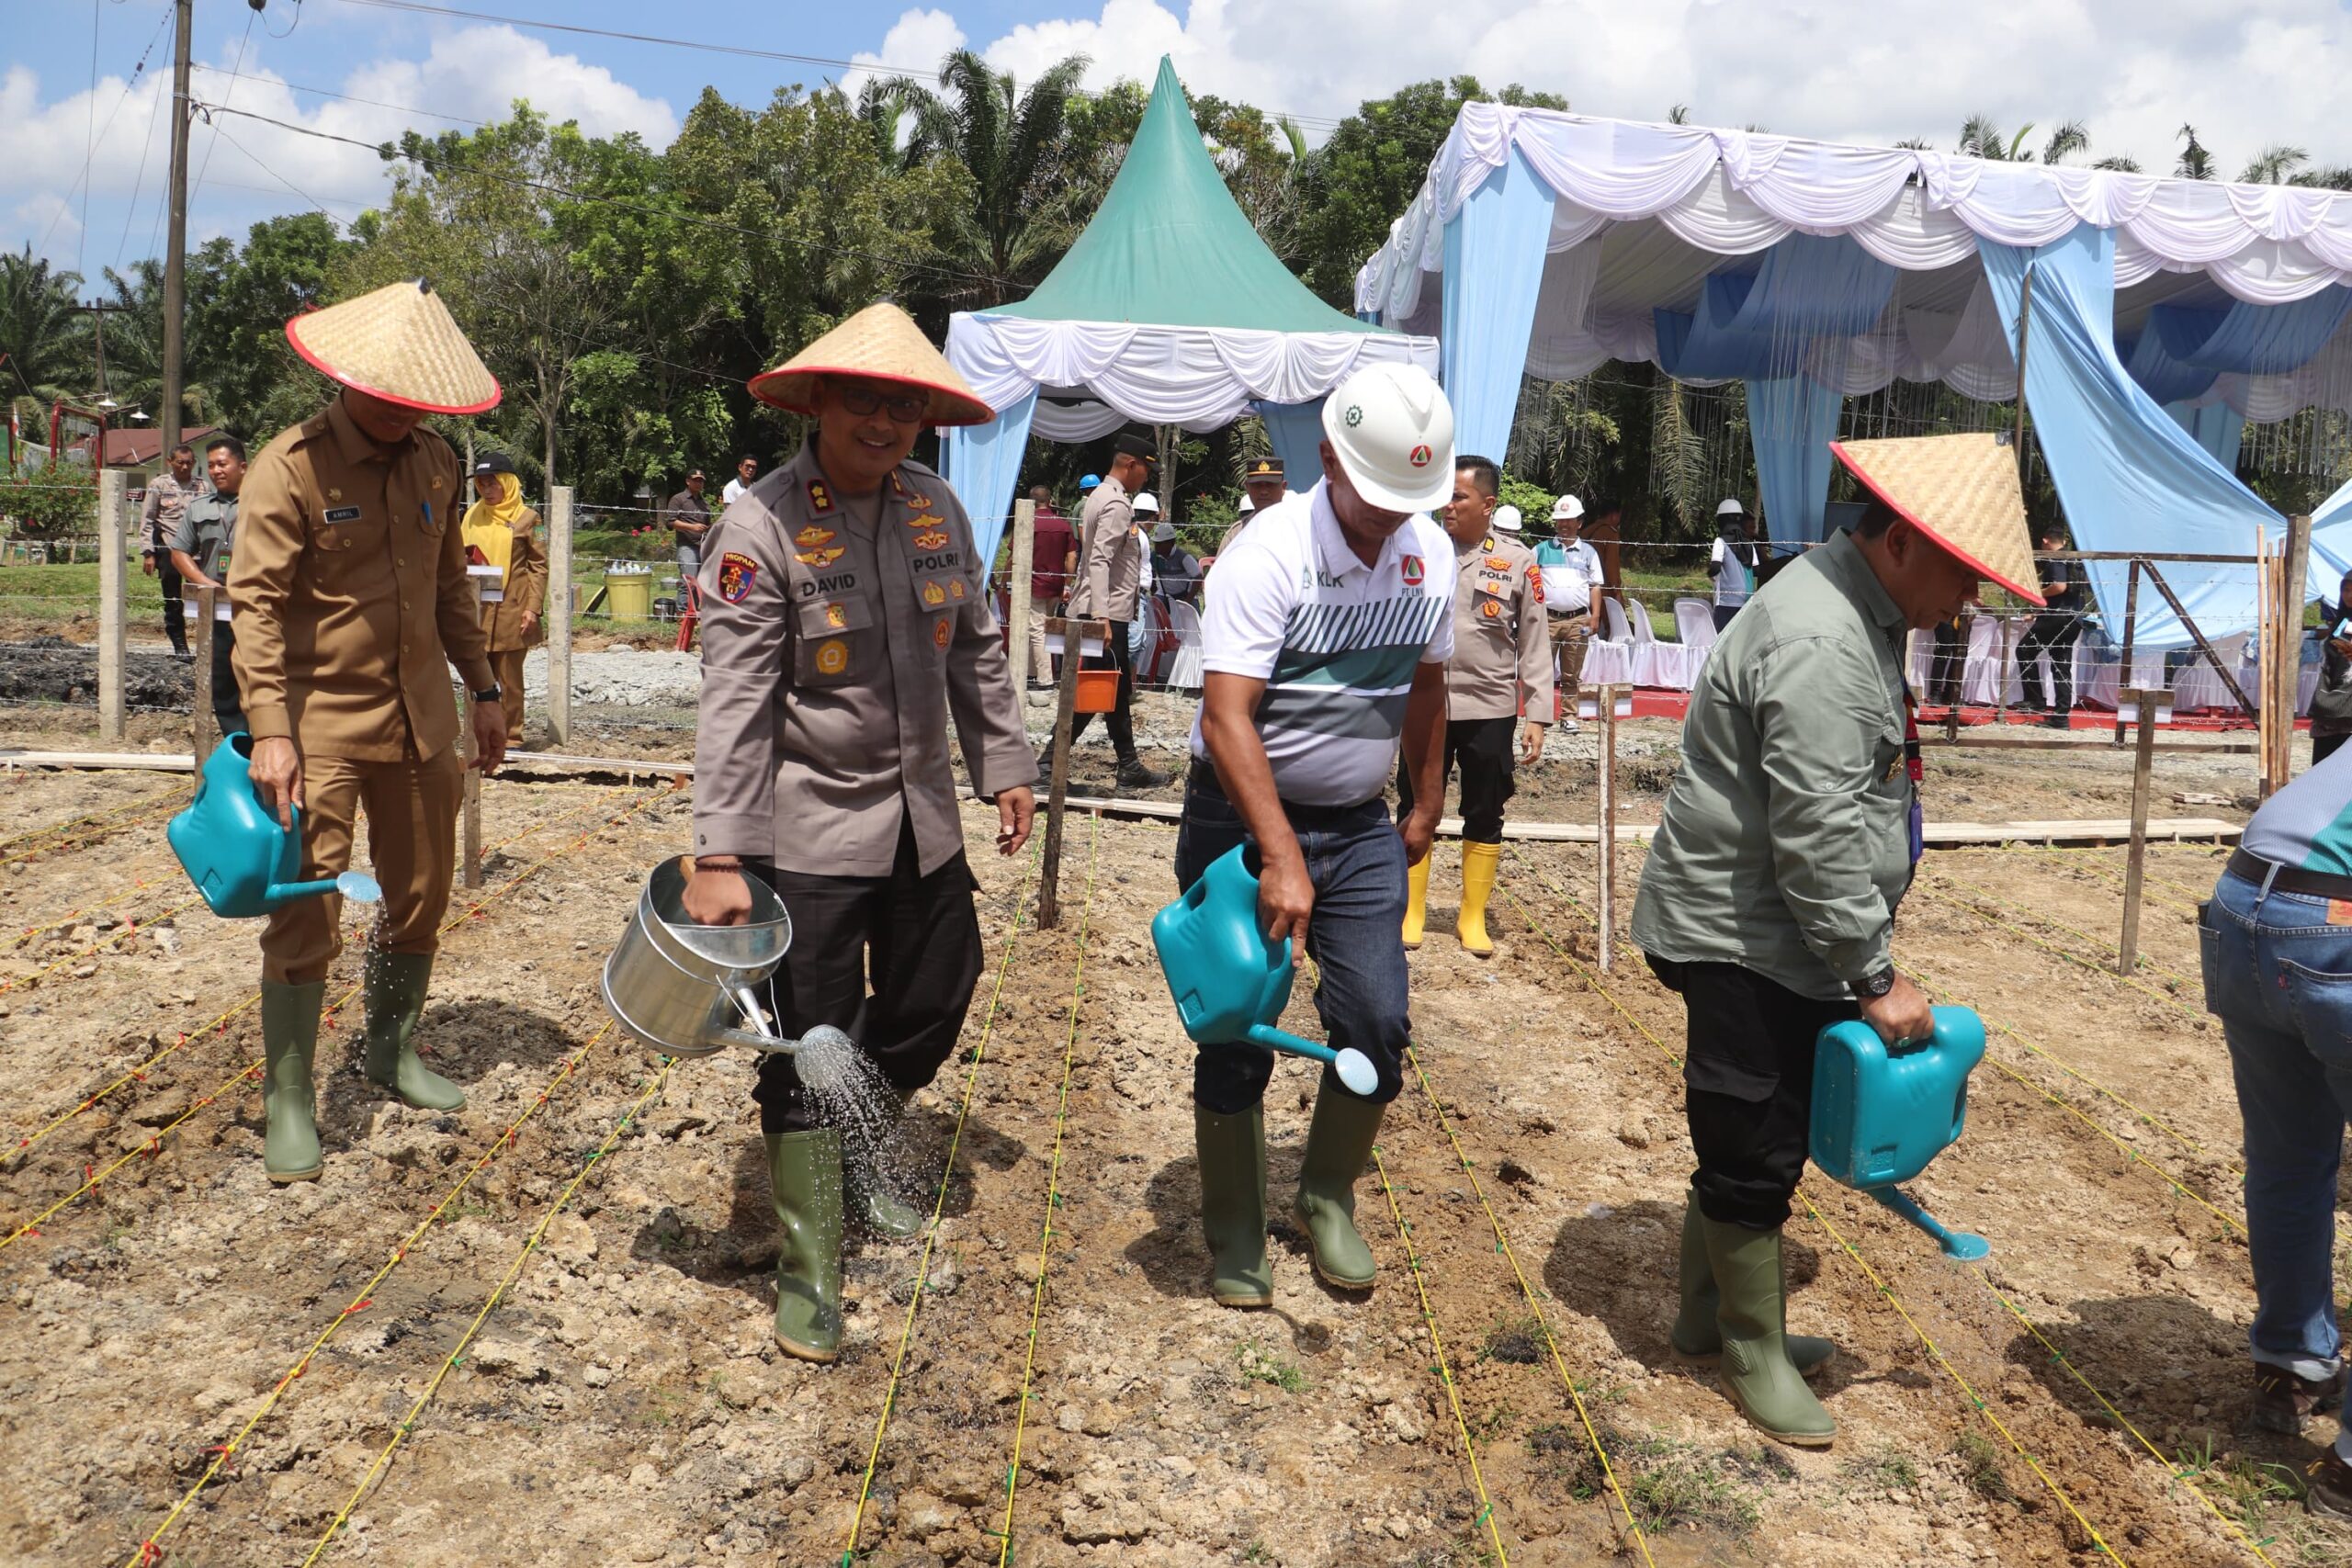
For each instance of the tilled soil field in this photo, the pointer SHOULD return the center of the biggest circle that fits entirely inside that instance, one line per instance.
(535, 1331)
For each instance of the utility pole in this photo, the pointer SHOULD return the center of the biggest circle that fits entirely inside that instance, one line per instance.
(168, 418)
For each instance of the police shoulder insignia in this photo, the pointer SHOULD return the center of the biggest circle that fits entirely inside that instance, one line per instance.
(737, 574)
(933, 594)
(955, 588)
(942, 632)
(820, 498)
(832, 656)
(808, 538)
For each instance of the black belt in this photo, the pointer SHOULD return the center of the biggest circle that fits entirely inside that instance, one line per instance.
(2247, 866)
(1204, 778)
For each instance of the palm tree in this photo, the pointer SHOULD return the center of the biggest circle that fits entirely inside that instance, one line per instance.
(2335, 177)
(884, 105)
(1980, 137)
(2066, 142)
(1012, 144)
(2273, 164)
(2119, 164)
(1678, 115)
(2195, 160)
(45, 340)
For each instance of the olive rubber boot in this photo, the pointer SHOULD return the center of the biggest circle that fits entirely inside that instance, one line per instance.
(1695, 1337)
(804, 1181)
(1233, 1204)
(1338, 1142)
(289, 1035)
(1756, 1368)
(1479, 863)
(395, 994)
(878, 1209)
(1416, 901)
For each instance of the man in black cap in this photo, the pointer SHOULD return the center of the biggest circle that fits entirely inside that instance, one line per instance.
(1110, 584)
(688, 515)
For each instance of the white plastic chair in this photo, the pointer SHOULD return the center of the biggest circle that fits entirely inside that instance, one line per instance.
(1988, 672)
(1184, 674)
(1609, 660)
(1661, 666)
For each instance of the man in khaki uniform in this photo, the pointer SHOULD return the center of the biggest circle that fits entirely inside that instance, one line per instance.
(351, 605)
(158, 520)
(1110, 588)
(504, 554)
(1261, 486)
(845, 618)
(1501, 664)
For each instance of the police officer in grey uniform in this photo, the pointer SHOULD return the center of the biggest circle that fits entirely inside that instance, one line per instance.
(844, 619)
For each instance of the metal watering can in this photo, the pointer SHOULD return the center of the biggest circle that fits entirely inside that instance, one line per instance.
(234, 850)
(1880, 1113)
(1229, 982)
(691, 989)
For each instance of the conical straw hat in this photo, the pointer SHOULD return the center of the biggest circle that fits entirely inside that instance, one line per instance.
(399, 344)
(1960, 490)
(880, 342)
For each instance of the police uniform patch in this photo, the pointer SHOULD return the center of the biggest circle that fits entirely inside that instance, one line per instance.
(927, 519)
(1535, 581)
(933, 594)
(823, 558)
(955, 588)
(737, 574)
(1491, 609)
(837, 616)
(819, 498)
(832, 656)
(931, 539)
(343, 515)
(940, 633)
(808, 538)
(1499, 563)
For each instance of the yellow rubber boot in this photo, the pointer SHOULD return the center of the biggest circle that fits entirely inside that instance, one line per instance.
(1416, 901)
(1478, 864)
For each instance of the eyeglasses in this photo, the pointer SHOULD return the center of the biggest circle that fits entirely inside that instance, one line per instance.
(861, 401)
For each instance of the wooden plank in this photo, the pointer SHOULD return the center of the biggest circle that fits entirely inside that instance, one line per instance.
(113, 530)
(559, 607)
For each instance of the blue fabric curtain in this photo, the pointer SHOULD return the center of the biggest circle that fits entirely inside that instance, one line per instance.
(2331, 545)
(1296, 431)
(983, 463)
(1791, 421)
(1494, 270)
(2184, 347)
(2218, 427)
(2128, 475)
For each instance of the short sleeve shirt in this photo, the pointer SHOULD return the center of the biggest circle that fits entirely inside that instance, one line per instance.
(1730, 573)
(207, 530)
(1335, 642)
(1570, 574)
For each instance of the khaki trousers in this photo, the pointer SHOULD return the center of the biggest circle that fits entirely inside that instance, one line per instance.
(1571, 634)
(1041, 664)
(413, 839)
(506, 663)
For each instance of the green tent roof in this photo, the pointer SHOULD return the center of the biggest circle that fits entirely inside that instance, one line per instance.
(1168, 247)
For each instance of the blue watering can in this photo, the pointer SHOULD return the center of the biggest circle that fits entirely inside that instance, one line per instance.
(239, 858)
(1880, 1112)
(1229, 982)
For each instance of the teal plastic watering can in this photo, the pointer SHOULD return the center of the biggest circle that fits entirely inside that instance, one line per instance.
(1880, 1113)
(234, 850)
(1229, 982)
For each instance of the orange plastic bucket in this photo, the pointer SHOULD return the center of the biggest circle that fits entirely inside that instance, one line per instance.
(1098, 691)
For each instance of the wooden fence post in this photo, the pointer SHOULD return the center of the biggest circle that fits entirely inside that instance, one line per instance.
(2147, 701)
(559, 609)
(1604, 710)
(1016, 595)
(1073, 635)
(112, 588)
(472, 751)
(2294, 562)
(200, 721)
(2124, 677)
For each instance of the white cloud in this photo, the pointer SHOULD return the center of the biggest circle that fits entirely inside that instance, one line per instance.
(915, 46)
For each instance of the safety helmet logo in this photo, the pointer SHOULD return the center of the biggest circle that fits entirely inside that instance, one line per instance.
(1355, 415)
(1419, 456)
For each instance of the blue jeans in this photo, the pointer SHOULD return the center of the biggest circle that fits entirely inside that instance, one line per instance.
(2280, 976)
(1355, 935)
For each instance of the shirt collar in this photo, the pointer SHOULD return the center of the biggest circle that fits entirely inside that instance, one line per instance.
(1331, 548)
(355, 444)
(1842, 559)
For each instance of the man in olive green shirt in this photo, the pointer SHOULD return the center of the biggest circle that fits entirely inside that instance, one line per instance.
(1787, 843)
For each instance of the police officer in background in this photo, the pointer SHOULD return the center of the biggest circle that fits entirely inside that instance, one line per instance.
(352, 603)
(158, 520)
(1501, 664)
(1110, 587)
(845, 618)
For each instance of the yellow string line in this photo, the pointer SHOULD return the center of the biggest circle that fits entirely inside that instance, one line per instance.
(138, 811)
(1444, 1371)
(150, 1550)
(1502, 1244)
(938, 1207)
(221, 1020)
(133, 928)
(2148, 877)
(1983, 1409)
(2076, 959)
(1986, 895)
(2115, 879)
(1593, 982)
(457, 1355)
(1053, 1199)
(90, 1181)
(50, 923)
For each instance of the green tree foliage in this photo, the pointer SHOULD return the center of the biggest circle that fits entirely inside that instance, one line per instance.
(239, 300)
(46, 342)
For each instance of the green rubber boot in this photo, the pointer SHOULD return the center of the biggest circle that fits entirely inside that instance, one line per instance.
(395, 995)
(1752, 1314)
(1695, 1337)
(1338, 1142)
(877, 1208)
(289, 1037)
(1233, 1204)
(804, 1181)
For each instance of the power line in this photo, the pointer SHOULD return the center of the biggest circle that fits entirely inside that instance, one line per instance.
(146, 151)
(236, 71)
(65, 204)
(371, 103)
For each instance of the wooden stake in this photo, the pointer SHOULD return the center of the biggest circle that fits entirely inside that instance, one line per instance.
(1016, 595)
(558, 613)
(200, 721)
(1605, 711)
(2130, 630)
(471, 752)
(1073, 635)
(1960, 686)
(113, 524)
(2143, 759)
(2296, 553)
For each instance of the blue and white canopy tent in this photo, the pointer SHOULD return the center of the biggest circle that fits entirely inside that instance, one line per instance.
(1168, 309)
(2164, 313)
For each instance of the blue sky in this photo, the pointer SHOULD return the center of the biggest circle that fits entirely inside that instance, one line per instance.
(2249, 73)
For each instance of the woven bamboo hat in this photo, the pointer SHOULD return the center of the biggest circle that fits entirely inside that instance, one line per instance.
(1960, 490)
(399, 344)
(880, 342)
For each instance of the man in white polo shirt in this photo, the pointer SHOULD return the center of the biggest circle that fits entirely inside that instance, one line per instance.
(1324, 638)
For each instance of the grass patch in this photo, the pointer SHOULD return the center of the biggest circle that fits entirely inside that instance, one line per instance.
(2241, 1486)
(1258, 1363)
(1518, 1340)
(1668, 1484)
(1880, 1470)
(1981, 1469)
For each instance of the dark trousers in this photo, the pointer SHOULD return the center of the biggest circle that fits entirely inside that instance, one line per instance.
(1483, 747)
(168, 578)
(2057, 633)
(1723, 613)
(1122, 714)
(228, 704)
(1355, 935)
(1748, 1086)
(2324, 747)
(1948, 664)
(915, 938)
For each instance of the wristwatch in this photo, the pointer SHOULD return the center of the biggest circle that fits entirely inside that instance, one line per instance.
(493, 694)
(1873, 986)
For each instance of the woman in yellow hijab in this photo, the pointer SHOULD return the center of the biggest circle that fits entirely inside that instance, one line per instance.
(503, 551)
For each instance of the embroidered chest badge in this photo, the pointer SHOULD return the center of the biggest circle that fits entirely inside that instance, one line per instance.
(1497, 563)
(737, 574)
(820, 500)
(837, 616)
(1491, 609)
(931, 539)
(832, 656)
(942, 632)
(334, 493)
(1412, 565)
(823, 558)
(808, 538)
(933, 594)
(926, 520)
(955, 588)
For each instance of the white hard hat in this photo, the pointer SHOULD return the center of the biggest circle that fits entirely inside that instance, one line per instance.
(1506, 519)
(1246, 508)
(1147, 504)
(1566, 508)
(1730, 506)
(1393, 431)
